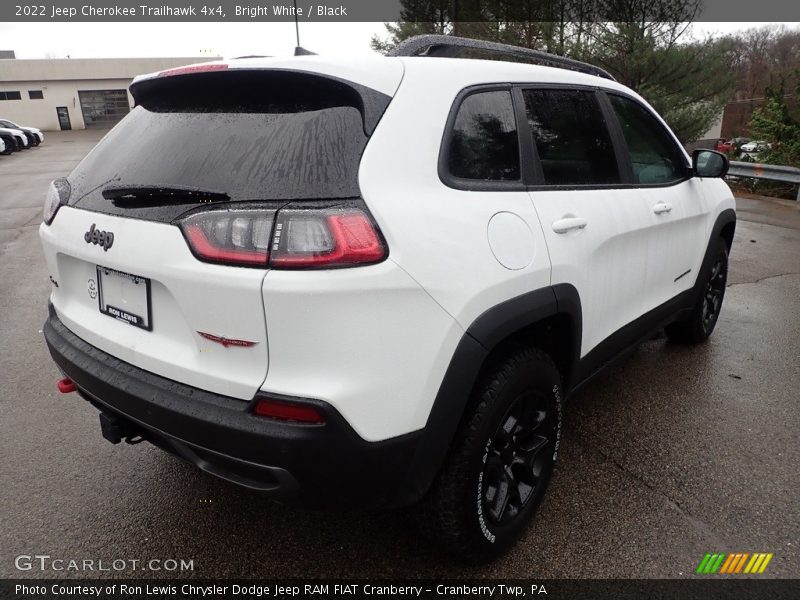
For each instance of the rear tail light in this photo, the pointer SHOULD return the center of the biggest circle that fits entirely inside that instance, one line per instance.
(291, 238)
(288, 411)
(237, 237)
(57, 196)
(325, 238)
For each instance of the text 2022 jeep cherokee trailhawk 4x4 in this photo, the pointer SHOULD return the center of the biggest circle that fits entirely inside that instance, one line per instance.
(372, 282)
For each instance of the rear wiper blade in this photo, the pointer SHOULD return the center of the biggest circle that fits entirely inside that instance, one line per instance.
(145, 193)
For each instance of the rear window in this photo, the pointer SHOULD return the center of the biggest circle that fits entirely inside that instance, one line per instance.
(241, 135)
(483, 143)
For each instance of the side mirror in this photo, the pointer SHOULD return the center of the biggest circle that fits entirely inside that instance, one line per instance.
(709, 163)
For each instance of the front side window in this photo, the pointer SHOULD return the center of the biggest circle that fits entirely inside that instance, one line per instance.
(571, 137)
(655, 157)
(483, 144)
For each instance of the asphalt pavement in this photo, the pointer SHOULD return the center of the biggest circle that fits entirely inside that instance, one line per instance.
(675, 453)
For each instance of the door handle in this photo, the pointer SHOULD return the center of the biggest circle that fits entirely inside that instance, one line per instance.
(662, 207)
(568, 224)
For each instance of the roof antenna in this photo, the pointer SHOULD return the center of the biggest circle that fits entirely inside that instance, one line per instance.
(299, 50)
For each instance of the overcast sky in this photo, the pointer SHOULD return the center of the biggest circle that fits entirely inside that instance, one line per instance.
(94, 40)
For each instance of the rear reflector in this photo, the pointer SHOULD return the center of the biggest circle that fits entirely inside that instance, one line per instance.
(192, 69)
(65, 386)
(285, 411)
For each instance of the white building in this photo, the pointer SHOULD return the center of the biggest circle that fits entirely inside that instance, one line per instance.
(73, 93)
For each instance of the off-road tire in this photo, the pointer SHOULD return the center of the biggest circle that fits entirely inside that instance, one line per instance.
(457, 513)
(701, 323)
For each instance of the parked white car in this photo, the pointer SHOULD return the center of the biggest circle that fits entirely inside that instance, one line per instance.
(756, 146)
(380, 285)
(32, 134)
(17, 136)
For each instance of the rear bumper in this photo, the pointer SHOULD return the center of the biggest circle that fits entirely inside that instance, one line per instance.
(314, 464)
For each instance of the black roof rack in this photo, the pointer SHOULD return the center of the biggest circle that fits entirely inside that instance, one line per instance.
(451, 47)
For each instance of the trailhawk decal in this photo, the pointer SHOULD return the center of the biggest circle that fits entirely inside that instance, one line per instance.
(227, 342)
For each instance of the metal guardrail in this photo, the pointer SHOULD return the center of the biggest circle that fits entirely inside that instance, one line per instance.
(769, 172)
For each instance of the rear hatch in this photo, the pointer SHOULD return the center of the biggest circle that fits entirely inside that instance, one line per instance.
(246, 142)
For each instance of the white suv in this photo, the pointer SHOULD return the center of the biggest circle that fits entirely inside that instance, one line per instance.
(373, 282)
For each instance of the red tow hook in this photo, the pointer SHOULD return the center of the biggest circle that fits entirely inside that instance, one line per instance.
(65, 386)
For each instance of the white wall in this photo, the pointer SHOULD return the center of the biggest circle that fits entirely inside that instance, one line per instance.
(60, 79)
(42, 113)
(715, 131)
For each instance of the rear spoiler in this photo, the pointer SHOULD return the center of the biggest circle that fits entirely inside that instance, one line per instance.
(213, 87)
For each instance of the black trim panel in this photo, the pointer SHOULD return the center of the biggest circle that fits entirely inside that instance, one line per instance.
(619, 343)
(312, 464)
(500, 321)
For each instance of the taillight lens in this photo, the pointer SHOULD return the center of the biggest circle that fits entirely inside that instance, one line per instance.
(293, 238)
(237, 237)
(316, 238)
(57, 196)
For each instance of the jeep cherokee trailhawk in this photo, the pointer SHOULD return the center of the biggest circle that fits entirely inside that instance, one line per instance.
(373, 281)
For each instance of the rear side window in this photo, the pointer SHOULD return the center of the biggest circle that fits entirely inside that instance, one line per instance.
(655, 157)
(241, 135)
(571, 137)
(483, 143)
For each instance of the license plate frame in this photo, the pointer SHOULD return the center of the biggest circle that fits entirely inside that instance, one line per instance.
(121, 314)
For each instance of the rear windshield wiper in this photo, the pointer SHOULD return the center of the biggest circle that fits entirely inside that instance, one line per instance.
(140, 195)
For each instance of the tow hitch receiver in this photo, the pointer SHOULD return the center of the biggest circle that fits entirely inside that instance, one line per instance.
(115, 429)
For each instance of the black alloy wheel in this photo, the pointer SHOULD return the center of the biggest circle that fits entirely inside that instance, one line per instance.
(714, 292)
(516, 458)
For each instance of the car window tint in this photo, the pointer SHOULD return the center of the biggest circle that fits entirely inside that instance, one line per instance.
(484, 143)
(654, 155)
(250, 135)
(571, 137)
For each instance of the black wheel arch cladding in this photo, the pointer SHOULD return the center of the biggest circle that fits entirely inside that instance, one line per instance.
(485, 334)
